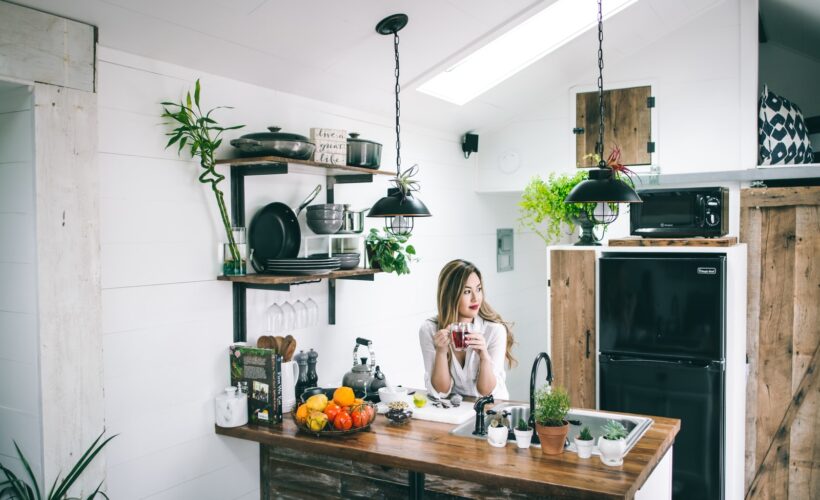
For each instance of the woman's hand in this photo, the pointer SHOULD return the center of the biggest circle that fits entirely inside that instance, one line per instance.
(441, 340)
(477, 342)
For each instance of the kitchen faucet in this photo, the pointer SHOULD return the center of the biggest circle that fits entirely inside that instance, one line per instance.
(479, 414)
(533, 373)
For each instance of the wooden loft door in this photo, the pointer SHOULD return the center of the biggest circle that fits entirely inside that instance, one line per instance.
(572, 313)
(781, 227)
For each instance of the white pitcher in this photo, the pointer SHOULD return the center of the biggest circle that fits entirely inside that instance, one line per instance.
(290, 373)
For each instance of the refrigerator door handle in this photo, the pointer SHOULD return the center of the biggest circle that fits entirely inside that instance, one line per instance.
(609, 358)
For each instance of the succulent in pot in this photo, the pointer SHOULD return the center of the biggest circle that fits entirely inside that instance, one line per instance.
(612, 444)
(551, 408)
(497, 431)
(523, 434)
(584, 443)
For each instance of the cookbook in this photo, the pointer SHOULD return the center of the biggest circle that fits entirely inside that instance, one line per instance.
(257, 372)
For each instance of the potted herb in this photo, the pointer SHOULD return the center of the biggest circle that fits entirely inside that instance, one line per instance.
(13, 487)
(498, 431)
(523, 434)
(584, 443)
(551, 408)
(612, 444)
(542, 208)
(201, 134)
(390, 252)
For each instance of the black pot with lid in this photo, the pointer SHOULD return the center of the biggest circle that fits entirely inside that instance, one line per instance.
(275, 143)
(363, 153)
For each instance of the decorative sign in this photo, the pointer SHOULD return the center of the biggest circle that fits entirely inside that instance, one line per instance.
(331, 145)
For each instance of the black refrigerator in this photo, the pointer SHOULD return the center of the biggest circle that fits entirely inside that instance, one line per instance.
(662, 344)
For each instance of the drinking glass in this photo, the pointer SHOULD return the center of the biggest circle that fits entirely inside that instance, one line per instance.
(301, 314)
(312, 312)
(289, 317)
(235, 265)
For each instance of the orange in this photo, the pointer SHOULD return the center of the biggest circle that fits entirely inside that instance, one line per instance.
(343, 396)
(302, 413)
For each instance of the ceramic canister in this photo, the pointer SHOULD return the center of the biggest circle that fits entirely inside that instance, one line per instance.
(231, 408)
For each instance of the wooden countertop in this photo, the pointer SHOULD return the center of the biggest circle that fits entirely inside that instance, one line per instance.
(428, 447)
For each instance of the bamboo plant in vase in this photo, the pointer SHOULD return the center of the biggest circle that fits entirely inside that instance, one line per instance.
(200, 134)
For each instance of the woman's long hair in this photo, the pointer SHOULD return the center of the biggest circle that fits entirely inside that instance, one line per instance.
(451, 283)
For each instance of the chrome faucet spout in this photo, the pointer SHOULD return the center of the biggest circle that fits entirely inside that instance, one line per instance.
(533, 373)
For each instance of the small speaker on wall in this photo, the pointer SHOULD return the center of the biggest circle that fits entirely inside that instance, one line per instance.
(469, 144)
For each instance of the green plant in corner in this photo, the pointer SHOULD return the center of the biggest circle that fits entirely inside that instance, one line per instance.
(201, 134)
(613, 430)
(542, 208)
(585, 435)
(14, 488)
(551, 406)
(390, 251)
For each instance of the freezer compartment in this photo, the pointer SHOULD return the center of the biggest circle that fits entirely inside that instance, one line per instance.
(688, 390)
(663, 305)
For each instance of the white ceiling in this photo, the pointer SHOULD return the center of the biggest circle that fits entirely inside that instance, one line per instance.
(793, 23)
(329, 49)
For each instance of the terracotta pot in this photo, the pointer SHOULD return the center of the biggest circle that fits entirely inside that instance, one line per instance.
(552, 438)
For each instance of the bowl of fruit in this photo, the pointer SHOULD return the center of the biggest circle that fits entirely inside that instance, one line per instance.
(340, 415)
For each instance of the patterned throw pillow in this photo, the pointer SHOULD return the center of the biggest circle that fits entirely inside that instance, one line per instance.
(782, 133)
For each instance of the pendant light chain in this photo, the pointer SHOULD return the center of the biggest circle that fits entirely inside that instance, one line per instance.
(398, 104)
(601, 162)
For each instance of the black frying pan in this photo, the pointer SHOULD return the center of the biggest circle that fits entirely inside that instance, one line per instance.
(274, 232)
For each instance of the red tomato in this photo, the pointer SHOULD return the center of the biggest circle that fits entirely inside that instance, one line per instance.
(371, 413)
(342, 422)
(331, 410)
(359, 417)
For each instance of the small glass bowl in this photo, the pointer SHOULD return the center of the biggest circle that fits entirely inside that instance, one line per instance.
(398, 412)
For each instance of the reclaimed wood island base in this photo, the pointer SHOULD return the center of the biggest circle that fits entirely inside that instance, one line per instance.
(423, 459)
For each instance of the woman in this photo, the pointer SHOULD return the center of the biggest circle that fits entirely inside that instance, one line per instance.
(479, 369)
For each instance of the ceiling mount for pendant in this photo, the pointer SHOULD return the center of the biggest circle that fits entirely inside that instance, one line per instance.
(392, 24)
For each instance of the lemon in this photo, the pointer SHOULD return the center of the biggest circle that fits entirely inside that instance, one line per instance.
(419, 400)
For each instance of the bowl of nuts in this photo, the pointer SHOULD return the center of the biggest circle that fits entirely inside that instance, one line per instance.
(398, 412)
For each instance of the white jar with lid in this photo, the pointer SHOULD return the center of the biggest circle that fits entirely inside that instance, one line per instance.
(231, 408)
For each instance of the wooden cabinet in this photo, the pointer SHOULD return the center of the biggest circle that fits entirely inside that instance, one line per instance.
(781, 227)
(572, 316)
(627, 123)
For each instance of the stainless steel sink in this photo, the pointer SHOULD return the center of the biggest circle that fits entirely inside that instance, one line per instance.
(635, 426)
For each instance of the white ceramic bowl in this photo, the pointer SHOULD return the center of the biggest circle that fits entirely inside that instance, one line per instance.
(387, 396)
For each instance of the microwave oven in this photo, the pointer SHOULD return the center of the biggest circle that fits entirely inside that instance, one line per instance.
(680, 213)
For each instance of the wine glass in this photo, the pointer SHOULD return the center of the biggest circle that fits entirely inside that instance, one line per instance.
(312, 312)
(275, 318)
(289, 317)
(301, 314)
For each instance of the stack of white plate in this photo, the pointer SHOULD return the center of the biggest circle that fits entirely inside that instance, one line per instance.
(302, 266)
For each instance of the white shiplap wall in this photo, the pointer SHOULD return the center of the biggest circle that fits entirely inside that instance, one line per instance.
(19, 355)
(167, 322)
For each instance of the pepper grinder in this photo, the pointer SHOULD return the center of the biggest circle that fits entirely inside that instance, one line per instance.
(312, 377)
(302, 380)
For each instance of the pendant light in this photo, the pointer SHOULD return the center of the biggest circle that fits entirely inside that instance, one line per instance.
(602, 187)
(399, 208)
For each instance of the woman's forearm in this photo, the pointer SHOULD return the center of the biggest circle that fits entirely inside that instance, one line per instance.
(485, 382)
(440, 377)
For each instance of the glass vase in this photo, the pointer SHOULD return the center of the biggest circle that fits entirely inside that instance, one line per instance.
(231, 266)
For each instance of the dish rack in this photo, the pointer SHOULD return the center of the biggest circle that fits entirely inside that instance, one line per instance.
(326, 244)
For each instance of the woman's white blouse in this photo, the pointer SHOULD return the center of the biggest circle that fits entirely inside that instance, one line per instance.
(464, 378)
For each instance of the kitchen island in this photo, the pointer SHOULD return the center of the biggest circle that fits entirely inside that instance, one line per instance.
(422, 459)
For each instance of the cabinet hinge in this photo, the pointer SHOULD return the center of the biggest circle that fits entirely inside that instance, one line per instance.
(578, 130)
(650, 102)
(549, 283)
(650, 147)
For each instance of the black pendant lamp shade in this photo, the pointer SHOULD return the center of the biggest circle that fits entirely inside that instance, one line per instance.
(399, 207)
(602, 187)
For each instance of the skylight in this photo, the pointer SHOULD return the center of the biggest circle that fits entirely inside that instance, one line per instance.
(516, 49)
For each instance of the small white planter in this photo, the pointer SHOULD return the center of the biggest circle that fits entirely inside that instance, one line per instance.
(612, 452)
(523, 439)
(497, 436)
(584, 447)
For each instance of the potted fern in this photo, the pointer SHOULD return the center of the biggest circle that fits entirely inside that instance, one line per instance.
(612, 444)
(551, 408)
(542, 208)
(523, 434)
(584, 443)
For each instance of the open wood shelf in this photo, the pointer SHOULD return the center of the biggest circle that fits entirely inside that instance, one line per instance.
(277, 279)
(324, 168)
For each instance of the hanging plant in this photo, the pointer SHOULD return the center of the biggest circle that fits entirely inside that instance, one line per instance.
(404, 180)
(542, 208)
(201, 134)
